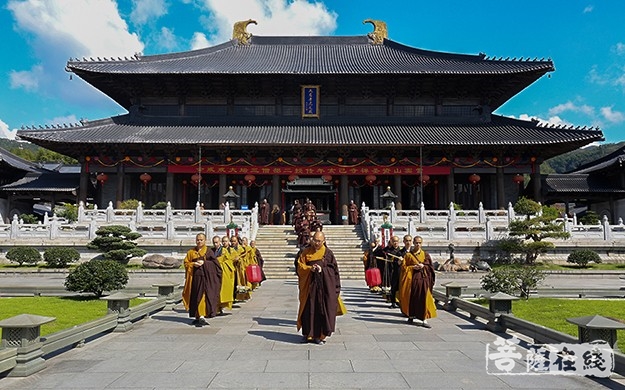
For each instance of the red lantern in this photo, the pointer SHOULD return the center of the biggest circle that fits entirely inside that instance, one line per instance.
(293, 177)
(145, 178)
(518, 178)
(102, 178)
(249, 179)
(196, 178)
(327, 178)
(425, 179)
(474, 179)
(370, 178)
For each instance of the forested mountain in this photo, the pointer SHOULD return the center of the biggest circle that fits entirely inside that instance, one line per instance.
(560, 164)
(569, 161)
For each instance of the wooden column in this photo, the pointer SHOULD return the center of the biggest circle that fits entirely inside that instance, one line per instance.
(83, 182)
(399, 204)
(169, 189)
(343, 199)
(119, 195)
(501, 193)
(276, 190)
(450, 188)
(222, 189)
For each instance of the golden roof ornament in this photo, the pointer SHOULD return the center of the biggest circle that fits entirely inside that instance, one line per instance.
(239, 32)
(380, 32)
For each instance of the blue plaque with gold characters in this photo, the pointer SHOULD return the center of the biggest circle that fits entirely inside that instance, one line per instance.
(310, 101)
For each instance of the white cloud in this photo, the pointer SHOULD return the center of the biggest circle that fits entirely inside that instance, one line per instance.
(274, 17)
(167, 39)
(27, 79)
(5, 132)
(144, 11)
(588, 9)
(570, 106)
(63, 120)
(199, 41)
(552, 120)
(619, 48)
(60, 29)
(612, 116)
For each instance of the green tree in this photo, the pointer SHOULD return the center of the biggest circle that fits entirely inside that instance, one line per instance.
(97, 276)
(116, 242)
(29, 218)
(68, 211)
(60, 257)
(512, 280)
(590, 218)
(24, 254)
(539, 224)
(129, 204)
(582, 257)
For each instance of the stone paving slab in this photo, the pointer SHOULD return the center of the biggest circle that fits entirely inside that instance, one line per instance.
(257, 346)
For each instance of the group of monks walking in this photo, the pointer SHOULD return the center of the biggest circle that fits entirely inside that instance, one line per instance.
(406, 276)
(305, 222)
(216, 277)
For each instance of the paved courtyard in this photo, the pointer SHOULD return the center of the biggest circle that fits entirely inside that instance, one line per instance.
(257, 346)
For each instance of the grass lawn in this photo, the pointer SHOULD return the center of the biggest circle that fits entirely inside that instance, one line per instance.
(69, 311)
(553, 312)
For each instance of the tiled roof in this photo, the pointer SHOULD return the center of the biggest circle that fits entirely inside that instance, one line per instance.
(579, 183)
(310, 55)
(45, 182)
(126, 130)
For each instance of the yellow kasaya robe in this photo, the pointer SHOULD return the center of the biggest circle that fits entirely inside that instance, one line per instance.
(241, 277)
(415, 286)
(226, 295)
(250, 258)
(318, 292)
(210, 274)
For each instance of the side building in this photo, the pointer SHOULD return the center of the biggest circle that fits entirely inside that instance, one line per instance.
(330, 118)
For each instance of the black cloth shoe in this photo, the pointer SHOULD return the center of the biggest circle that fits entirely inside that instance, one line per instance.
(410, 320)
(202, 321)
(195, 322)
(394, 306)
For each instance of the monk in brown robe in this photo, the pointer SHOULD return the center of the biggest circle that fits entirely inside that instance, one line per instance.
(416, 284)
(319, 288)
(202, 285)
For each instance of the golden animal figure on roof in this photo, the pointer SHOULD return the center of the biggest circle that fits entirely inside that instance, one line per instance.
(239, 32)
(380, 32)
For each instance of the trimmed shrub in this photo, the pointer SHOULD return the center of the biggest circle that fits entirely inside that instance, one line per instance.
(117, 243)
(129, 204)
(582, 257)
(590, 218)
(60, 257)
(97, 276)
(68, 211)
(29, 218)
(512, 280)
(24, 255)
(159, 205)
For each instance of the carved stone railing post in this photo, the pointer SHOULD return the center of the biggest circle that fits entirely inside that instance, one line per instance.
(119, 303)
(139, 213)
(450, 227)
(81, 211)
(499, 303)
(605, 224)
(15, 227)
(422, 213)
(23, 332)
(452, 290)
(592, 328)
(198, 213)
(166, 290)
(110, 212)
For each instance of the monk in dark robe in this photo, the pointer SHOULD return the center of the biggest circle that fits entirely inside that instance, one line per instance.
(416, 284)
(263, 215)
(202, 282)
(319, 288)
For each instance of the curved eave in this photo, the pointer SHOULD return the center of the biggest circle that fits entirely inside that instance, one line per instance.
(501, 132)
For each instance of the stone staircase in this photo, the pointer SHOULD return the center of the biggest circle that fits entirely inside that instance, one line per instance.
(278, 246)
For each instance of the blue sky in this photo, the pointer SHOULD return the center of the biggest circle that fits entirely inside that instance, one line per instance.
(585, 39)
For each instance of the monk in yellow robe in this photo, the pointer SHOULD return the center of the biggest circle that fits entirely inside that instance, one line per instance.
(240, 263)
(200, 294)
(416, 283)
(226, 295)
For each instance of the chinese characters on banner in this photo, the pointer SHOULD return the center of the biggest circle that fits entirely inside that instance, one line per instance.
(504, 357)
(310, 101)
